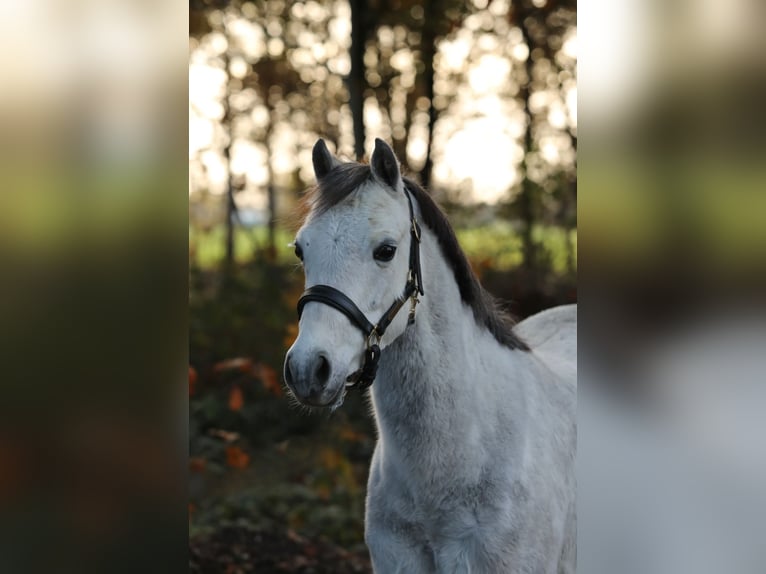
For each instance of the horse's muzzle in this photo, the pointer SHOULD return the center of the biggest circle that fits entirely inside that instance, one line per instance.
(308, 377)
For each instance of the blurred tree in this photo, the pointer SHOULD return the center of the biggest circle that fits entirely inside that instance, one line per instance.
(231, 204)
(405, 65)
(275, 79)
(346, 71)
(360, 32)
(544, 25)
(423, 24)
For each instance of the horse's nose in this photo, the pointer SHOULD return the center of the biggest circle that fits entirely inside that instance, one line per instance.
(309, 377)
(321, 369)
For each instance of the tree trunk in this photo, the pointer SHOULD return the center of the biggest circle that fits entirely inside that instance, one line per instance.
(230, 212)
(526, 198)
(356, 80)
(428, 41)
(272, 244)
(231, 206)
(409, 108)
(271, 196)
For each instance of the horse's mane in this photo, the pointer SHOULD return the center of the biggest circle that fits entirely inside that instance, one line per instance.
(343, 179)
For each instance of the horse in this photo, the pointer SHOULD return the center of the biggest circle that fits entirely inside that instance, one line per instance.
(473, 468)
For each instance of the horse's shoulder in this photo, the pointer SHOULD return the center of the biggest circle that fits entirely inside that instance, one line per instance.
(552, 331)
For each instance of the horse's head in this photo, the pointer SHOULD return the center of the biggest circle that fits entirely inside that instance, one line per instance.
(356, 240)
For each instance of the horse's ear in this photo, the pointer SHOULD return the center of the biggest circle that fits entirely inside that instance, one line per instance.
(323, 159)
(384, 165)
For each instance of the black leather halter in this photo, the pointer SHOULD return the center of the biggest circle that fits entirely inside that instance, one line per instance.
(364, 377)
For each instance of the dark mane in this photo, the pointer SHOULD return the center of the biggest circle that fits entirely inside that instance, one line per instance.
(343, 179)
(338, 184)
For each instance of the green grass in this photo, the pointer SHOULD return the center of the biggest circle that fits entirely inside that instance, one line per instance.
(497, 246)
(208, 248)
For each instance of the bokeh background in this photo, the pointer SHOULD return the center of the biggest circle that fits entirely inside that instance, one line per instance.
(95, 278)
(672, 284)
(478, 100)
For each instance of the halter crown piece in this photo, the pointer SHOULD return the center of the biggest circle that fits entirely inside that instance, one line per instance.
(331, 296)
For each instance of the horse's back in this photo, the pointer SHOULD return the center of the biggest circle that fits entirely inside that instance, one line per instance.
(552, 333)
(552, 336)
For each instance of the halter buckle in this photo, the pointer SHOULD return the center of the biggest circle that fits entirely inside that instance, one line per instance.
(413, 303)
(373, 333)
(413, 281)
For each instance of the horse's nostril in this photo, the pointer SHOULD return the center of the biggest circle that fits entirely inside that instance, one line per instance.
(322, 370)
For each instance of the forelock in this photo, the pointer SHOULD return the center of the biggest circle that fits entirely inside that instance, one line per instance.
(338, 184)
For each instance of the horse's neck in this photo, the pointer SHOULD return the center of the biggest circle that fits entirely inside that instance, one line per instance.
(433, 384)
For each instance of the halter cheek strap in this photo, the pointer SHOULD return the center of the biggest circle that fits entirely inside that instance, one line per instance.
(331, 296)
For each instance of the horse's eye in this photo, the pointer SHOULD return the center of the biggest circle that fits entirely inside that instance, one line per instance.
(298, 252)
(385, 252)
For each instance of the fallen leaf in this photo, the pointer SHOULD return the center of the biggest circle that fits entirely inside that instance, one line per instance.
(349, 434)
(236, 399)
(238, 363)
(197, 464)
(330, 458)
(236, 457)
(227, 436)
(270, 380)
(323, 492)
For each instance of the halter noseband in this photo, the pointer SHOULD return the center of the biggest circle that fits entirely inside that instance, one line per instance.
(364, 377)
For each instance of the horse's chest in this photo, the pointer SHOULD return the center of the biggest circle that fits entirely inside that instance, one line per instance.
(464, 521)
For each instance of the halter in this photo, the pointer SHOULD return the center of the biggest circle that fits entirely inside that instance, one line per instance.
(331, 296)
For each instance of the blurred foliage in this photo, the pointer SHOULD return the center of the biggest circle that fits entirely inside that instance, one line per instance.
(498, 246)
(254, 464)
(207, 248)
(261, 465)
(495, 245)
(476, 98)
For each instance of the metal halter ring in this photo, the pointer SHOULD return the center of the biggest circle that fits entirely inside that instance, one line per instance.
(373, 333)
